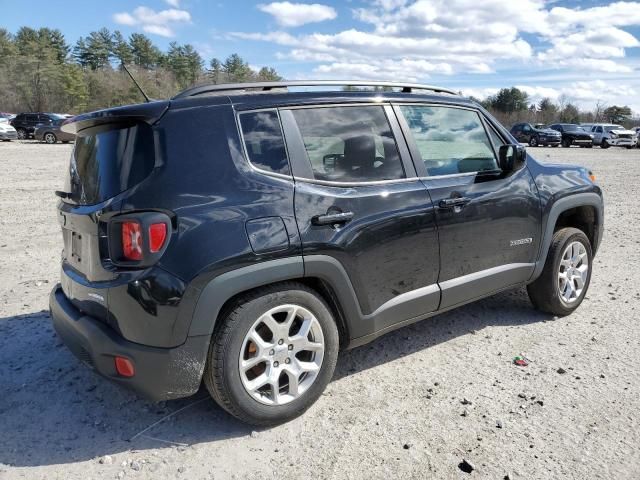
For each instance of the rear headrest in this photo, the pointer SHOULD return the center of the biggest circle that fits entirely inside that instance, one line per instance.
(359, 152)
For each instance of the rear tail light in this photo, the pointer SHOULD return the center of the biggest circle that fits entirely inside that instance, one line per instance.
(157, 236)
(131, 241)
(138, 239)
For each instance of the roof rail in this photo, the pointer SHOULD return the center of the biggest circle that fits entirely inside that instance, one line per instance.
(267, 86)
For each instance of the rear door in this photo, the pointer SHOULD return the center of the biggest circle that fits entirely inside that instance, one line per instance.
(488, 223)
(359, 202)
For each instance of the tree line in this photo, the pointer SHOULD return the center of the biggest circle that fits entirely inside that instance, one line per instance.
(512, 105)
(40, 71)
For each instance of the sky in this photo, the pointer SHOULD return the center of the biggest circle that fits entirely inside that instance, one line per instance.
(579, 51)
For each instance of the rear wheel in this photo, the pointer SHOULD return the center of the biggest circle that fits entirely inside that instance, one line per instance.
(22, 133)
(273, 355)
(566, 275)
(50, 138)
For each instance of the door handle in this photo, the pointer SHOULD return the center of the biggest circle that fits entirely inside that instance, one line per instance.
(448, 203)
(332, 218)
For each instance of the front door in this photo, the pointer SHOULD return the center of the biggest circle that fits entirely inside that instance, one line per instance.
(359, 202)
(488, 223)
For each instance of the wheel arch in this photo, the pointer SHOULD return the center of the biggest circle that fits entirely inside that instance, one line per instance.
(584, 211)
(327, 279)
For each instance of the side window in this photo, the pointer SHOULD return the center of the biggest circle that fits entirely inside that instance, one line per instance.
(599, 130)
(349, 144)
(495, 138)
(526, 128)
(263, 139)
(450, 140)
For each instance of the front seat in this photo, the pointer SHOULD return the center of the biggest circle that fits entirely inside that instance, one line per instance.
(359, 158)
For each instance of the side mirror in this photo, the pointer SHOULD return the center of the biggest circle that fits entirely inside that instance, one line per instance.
(512, 158)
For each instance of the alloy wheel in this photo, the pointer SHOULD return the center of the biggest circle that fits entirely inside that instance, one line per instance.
(50, 138)
(573, 272)
(281, 355)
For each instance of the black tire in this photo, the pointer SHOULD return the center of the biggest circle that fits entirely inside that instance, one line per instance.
(566, 142)
(604, 144)
(50, 138)
(555, 145)
(544, 292)
(222, 372)
(589, 146)
(533, 141)
(22, 134)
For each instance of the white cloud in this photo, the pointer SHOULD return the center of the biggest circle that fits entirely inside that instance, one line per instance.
(461, 36)
(289, 14)
(173, 3)
(151, 21)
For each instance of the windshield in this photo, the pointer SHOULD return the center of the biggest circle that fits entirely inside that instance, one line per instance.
(573, 128)
(107, 160)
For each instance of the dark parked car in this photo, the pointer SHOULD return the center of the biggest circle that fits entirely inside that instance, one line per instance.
(51, 133)
(246, 252)
(25, 123)
(527, 133)
(573, 135)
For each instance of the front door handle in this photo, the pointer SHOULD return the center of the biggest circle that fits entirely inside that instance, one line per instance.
(448, 203)
(332, 218)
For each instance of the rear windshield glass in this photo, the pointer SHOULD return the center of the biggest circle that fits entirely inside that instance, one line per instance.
(108, 160)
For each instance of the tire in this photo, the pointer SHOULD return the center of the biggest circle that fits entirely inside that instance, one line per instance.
(50, 138)
(545, 292)
(566, 142)
(555, 145)
(604, 144)
(224, 378)
(533, 141)
(22, 134)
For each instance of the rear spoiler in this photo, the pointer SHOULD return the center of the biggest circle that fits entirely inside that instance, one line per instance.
(145, 112)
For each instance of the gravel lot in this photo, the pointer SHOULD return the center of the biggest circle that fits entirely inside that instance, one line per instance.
(395, 407)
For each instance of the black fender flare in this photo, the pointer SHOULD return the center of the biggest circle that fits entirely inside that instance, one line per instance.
(559, 206)
(223, 287)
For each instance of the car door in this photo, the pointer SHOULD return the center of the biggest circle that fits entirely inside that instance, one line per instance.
(488, 222)
(597, 134)
(359, 204)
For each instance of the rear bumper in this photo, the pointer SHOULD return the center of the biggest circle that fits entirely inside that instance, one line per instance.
(160, 373)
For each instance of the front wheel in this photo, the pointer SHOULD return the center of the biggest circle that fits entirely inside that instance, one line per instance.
(273, 355)
(566, 275)
(566, 142)
(604, 144)
(533, 141)
(50, 138)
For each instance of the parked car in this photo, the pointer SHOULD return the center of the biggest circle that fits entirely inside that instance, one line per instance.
(573, 135)
(609, 135)
(248, 253)
(637, 130)
(527, 133)
(6, 116)
(25, 123)
(7, 132)
(51, 133)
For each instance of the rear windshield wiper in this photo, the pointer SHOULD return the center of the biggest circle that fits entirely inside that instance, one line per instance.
(62, 194)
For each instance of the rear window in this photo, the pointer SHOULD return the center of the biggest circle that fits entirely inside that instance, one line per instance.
(264, 142)
(108, 160)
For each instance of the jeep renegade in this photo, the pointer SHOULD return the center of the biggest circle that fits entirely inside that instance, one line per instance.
(242, 234)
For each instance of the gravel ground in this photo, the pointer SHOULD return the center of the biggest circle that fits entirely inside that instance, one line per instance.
(413, 404)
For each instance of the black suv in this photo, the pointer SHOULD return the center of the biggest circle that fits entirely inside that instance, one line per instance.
(527, 133)
(243, 234)
(573, 135)
(25, 123)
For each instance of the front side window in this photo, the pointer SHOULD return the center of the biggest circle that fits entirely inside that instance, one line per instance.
(349, 144)
(450, 140)
(263, 139)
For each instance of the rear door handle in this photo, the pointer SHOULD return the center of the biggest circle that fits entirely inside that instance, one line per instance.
(448, 203)
(332, 218)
